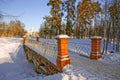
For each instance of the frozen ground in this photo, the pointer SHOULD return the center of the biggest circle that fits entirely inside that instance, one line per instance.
(14, 66)
(13, 63)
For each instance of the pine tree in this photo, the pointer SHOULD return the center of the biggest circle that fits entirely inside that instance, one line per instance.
(69, 8)
(56, 16)
(114, 11)
(86, 12)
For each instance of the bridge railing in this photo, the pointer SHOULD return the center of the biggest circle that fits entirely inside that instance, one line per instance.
(46, 48)
(80, 48)
(56, 51)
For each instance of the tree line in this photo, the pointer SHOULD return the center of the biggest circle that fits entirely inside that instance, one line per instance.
(76, 21)
(12, 29)
(84, 19)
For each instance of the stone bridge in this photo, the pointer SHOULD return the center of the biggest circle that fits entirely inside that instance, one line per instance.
(45, 66)
(42, 65)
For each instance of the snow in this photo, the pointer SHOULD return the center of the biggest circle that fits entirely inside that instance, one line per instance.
(62, 36)
(7, 47)
(13, 63)
(44, 50)
(14, 66)
(112, 58)
(96, 37)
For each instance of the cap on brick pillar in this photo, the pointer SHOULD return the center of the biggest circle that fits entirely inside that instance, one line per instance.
(24, 39)
(95, 48)
(63, 56)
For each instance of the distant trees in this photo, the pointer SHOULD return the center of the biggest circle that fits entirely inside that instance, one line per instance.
(13, 29)
(45, 28)
(56, 17)
(77, 19)
(87, 10)
(113, 25)
(86, 19)
(54, 22)
(69, 9)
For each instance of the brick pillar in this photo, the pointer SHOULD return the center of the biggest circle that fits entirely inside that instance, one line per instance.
(24, 39)
(37, 38)
(63, 56)
(95, 48)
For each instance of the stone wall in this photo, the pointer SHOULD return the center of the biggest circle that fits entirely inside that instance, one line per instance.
(42, 65)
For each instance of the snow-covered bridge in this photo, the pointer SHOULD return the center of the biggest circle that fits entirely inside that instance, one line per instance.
(13, 65)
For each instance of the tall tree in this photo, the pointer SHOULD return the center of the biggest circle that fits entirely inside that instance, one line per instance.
(48, 26)
(86, 12)
(56, 15)
(2, 28)
(13, 29)
(114, 11)
(19, 29)
(69, 8)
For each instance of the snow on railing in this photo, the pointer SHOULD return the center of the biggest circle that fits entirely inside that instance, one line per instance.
(80, 48)
(44, 47)
(49, 47)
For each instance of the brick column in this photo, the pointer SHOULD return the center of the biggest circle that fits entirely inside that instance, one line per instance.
(24, 39)
(37, 38)
(95, 48)
(63, 56)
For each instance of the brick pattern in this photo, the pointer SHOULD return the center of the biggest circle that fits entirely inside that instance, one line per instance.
(24, 39)
(42, 65)
(95, 49)
(62, 57)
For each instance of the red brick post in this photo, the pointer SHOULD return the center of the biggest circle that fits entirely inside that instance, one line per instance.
(63, 56)
(24, 39)
(37, 38)
(95, 48)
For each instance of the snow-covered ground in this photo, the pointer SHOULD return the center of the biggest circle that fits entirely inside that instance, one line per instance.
(14, 66)
(83, 47)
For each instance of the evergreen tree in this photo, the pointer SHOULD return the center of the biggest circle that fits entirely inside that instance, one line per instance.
(69, 8)
(56, 16)
(86, 12)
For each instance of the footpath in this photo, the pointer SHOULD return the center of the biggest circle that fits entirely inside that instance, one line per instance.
(94, 69)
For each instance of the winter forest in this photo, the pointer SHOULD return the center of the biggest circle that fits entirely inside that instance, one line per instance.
(76, 18)
(59, 39)
(84, 19)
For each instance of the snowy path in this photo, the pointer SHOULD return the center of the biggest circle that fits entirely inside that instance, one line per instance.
(94, 70)
(14, 66)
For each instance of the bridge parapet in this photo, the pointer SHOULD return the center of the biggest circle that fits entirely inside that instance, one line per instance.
(54, 52)
(42, 65)
(80, 48)
(47, 48)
